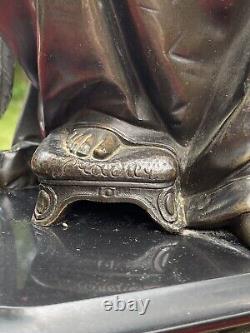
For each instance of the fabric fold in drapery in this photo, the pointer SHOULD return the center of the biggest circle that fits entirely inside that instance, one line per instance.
(177, 66)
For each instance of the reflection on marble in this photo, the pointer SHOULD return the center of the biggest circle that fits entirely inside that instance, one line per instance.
(101, 250)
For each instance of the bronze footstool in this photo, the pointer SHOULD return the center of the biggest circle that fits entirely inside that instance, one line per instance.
(73, 164)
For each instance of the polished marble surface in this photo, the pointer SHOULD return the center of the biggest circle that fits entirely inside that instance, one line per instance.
(102, 250)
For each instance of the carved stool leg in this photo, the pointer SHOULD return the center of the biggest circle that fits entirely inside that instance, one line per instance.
(50, 206)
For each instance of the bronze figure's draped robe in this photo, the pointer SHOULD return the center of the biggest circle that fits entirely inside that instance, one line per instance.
(142, 98)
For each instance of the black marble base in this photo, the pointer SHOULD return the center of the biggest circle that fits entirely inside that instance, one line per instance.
(56, 279)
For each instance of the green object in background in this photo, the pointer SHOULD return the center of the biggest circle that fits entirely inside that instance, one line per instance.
(9, 121)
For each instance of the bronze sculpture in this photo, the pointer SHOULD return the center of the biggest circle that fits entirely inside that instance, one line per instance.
(144, 101)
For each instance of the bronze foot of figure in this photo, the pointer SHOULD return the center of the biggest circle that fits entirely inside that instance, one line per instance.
(99, 144)
(98, 164)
